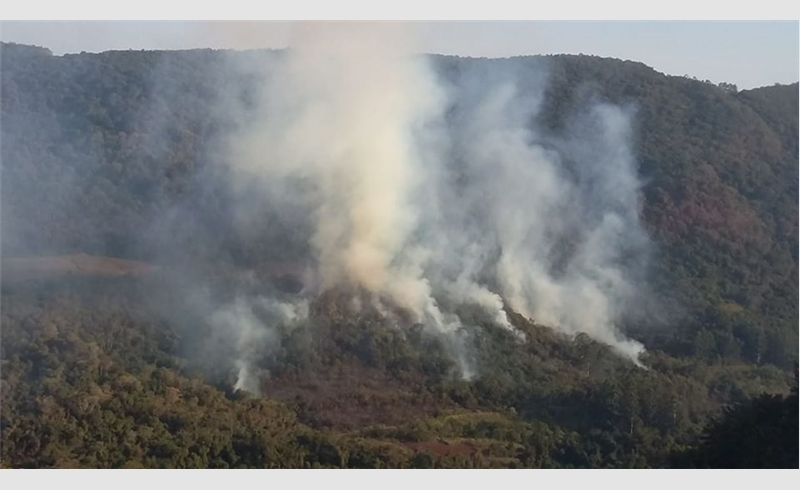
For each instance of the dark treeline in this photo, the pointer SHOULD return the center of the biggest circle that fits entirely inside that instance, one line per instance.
(93, 374)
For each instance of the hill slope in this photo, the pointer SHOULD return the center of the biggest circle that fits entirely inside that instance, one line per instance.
(105, 153)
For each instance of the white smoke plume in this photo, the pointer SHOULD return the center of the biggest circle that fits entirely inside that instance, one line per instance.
(428, 194)
(253, 323)
(341, 116)
(561, 212)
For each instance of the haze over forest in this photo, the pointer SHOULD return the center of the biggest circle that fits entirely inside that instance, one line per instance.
(346, 254)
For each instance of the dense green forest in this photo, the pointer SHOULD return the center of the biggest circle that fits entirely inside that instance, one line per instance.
(95, 373)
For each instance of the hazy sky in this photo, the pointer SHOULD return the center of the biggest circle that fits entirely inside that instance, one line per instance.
(749, 54)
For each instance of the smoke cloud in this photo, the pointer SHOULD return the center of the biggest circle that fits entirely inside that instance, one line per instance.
(420, 190)
(430, 191)
(254, 325)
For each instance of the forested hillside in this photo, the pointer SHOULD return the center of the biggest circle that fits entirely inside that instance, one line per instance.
(112, 154)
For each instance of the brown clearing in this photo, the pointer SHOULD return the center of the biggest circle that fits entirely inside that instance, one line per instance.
(83, 265)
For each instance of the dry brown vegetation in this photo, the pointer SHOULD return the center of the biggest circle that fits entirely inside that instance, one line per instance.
(80, 265)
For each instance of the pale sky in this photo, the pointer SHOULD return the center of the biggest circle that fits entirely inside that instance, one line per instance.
(749, 54)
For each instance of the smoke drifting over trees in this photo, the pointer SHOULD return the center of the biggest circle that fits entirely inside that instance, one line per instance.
(429, 195)
(352, 230)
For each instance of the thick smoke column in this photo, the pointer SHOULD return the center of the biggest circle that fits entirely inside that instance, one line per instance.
(429, 196)
(561, 211)
(342, 115)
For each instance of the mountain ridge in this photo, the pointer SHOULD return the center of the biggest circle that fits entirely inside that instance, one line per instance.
(98, 147)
